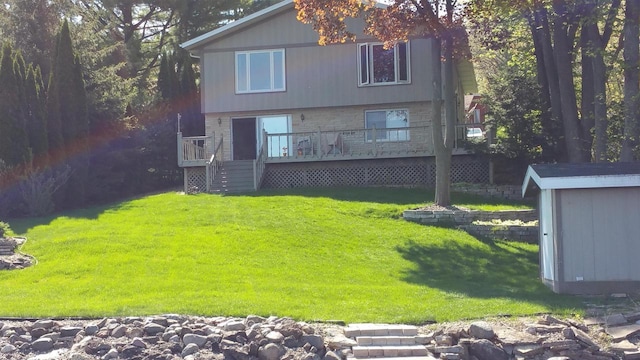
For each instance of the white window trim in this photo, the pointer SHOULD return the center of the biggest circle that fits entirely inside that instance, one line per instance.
(248, 72)
(407, 132)
(369, 70)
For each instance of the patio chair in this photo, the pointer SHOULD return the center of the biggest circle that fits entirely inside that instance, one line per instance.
(304, 146)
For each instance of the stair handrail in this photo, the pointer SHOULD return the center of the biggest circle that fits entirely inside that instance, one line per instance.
(214, 164)
(259, 163)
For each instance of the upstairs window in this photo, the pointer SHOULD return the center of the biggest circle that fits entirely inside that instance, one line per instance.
(379, 66)
(260, 71)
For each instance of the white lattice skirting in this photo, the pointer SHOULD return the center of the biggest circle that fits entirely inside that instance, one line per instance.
(405, 171)
(195, 180)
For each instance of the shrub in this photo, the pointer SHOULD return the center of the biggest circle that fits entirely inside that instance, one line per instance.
(4, 229)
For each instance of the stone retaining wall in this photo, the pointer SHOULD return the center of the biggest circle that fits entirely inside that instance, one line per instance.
(463, 219)
(7, 247)
(521, 233)
(509, 192)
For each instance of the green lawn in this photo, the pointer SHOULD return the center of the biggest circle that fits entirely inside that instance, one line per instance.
(309, 254)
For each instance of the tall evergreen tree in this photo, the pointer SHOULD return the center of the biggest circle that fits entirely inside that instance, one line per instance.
(35, 119)
(67, 107)
(13, 138)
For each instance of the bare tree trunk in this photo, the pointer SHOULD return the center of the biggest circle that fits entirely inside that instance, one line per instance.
(588, 96)
(564, 65)
(541, 33)
(440, 140)
(600, 97)
(631, 80)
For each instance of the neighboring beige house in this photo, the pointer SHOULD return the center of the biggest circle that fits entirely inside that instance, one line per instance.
(282, 111)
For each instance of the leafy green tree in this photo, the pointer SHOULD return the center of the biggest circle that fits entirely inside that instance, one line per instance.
(577, 46)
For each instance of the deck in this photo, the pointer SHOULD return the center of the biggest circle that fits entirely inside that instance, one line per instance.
(317, 146)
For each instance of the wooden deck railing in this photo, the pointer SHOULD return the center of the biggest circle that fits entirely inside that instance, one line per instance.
(260, 163)
(214, 164)
(356, 143)
(193, 150)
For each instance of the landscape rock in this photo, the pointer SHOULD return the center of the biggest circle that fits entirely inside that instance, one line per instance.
(44, 324)
(111, 354)
(314, 340)
(69, 331)
(8, 349)
(154, 328)
(199, 340)
(270, 351)
(275, 337)
(138, 342)
(481, 330)
(234, 326)
(486, 350)
(330, 355)
(119, 331)
(42, 344)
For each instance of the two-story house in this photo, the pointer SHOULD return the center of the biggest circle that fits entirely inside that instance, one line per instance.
(282, 111)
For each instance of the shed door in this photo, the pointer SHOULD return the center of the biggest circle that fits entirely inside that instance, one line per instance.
(547, 253)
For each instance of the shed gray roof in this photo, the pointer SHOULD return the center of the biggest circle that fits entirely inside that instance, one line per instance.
(582, 176)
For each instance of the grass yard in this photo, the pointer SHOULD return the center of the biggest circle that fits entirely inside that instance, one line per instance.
(314, 254)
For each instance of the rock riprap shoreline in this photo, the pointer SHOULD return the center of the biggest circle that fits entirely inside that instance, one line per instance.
(173, 337)
(168, 337)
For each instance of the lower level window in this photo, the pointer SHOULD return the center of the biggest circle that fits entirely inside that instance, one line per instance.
(389, 125)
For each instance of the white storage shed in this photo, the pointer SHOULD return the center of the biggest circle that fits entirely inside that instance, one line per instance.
(589, 226)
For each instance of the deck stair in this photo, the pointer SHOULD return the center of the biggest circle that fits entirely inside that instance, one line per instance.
(397, 342)
(234, 177)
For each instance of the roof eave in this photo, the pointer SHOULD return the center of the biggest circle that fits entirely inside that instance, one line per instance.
(530, 175)
(246, 21)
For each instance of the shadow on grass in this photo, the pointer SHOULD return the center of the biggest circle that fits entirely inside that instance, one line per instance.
(499, 270)
(382, 195)
(22, 225)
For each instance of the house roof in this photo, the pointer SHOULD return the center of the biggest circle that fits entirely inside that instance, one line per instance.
(582, 176)
(467, 76)
(236, 25)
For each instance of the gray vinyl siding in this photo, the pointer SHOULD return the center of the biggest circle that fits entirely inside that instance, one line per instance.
(280, 30)
(316, 76)
(600, 241)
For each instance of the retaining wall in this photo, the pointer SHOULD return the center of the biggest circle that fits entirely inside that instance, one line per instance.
(463, 219)
(510, 192)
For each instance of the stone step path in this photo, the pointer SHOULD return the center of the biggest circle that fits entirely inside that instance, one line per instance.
(397, 342)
